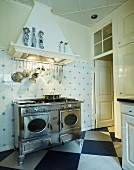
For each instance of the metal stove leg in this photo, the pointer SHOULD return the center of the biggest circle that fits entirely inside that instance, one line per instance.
(79, 142)
(21, 159)
(21, 155)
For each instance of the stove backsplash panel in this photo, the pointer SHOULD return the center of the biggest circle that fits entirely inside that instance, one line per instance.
(76, 83)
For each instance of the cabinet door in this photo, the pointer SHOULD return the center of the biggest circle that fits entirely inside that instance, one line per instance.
(126, 24)
(127, 142)
(126, 70)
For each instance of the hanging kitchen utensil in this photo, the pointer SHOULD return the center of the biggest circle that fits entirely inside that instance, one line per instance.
(43, 68)
(35, 72)
(57, 72)
(49, 73)
(32, 80)
(26, 72)
(54, 72)
(33, 77)
(17, 76)
(60, 74)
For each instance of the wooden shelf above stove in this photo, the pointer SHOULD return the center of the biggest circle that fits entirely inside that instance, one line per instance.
(22, 52)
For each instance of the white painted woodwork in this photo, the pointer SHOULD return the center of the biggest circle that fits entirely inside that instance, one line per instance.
(126, 24)
(128, 137)
(103, 40)
(104, 93)
(126, 70)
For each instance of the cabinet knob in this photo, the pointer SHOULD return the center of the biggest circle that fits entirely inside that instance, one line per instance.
(120, 92)
(130, 110)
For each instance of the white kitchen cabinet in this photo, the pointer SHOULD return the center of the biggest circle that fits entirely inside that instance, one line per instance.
(127, 136)
(126, 24)
(126, 70)
(103, 40)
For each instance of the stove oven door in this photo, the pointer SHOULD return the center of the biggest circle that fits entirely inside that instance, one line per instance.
(35, 126)
(70, 120)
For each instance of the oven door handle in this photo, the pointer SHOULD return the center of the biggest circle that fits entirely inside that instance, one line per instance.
(61, 124)
(50, 126)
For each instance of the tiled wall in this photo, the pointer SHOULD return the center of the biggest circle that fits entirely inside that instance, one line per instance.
(76, 83)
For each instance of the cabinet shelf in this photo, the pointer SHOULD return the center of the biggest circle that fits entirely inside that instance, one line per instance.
(102, 55)
(23, 52)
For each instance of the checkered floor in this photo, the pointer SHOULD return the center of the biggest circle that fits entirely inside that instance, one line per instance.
(99, 149)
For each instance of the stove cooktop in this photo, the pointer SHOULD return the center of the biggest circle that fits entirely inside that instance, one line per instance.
(43, 100)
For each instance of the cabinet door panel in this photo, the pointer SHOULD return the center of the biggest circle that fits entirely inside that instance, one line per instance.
(107, 45)
(128, 142)
(126, 24)
(126, 70)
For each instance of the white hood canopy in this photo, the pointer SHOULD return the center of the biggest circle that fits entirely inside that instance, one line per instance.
(43, 20)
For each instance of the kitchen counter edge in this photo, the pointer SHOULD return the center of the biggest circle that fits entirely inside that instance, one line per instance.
(127, 100)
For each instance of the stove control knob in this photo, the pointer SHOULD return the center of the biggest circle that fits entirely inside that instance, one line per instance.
(63, 107)
(26, 110)
(35, 109)
(70, 105)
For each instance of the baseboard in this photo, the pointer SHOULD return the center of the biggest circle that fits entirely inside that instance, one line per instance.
(5, 148)
(86, 128)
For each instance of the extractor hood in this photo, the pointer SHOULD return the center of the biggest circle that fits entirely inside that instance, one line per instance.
(32, 53)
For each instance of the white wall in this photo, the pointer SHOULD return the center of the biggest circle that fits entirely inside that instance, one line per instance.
(12, 19)
(78, 35)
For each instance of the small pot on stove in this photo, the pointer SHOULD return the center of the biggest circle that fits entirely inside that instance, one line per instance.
(52, 96)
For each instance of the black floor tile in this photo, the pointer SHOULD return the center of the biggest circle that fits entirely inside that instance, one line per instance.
(83, 134)
(4, 154)
(55, 160)
(104, 129)
(5, 168)
(120, 160)
(104, 148)
(112, 134)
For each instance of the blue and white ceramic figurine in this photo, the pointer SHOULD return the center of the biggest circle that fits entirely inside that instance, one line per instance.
(26, 35)
(41, 33)
(34, 41)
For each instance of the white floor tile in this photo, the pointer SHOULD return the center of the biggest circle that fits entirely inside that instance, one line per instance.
(71, 146)
(30, 161)
(111, 129)
(95, 135)
(118, 148)
(94, 162)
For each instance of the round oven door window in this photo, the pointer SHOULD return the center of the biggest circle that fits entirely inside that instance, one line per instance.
(70, 119)
(37, 125)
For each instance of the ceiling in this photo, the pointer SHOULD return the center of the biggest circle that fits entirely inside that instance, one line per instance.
(80, 11)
